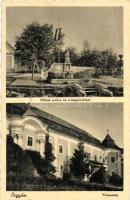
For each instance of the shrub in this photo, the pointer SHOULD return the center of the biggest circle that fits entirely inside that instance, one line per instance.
(21, 183)
(87, 73)
(37, 160)
(19, 164)
(67, 176)
(52, 75)
(25, 165)
(100, 176)
(116, 180)
(96, 75)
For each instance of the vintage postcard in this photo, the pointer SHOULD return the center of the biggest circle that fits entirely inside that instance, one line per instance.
(48, 55)
(65, 100)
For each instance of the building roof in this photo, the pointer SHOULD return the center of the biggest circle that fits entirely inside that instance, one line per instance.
(9, 48)
(108, 142)
(60, 125)
(52, 121)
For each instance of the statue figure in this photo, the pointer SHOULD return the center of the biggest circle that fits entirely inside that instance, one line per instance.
(42, 70)
(67, 57)
(67, 63)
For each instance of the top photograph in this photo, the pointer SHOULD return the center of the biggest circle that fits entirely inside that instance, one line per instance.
(64, 51)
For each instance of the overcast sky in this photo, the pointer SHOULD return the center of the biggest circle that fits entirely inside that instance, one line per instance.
(101, 26)
(95, 118)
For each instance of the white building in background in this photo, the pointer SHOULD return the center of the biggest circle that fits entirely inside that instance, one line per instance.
(9, 57)
(29, 125)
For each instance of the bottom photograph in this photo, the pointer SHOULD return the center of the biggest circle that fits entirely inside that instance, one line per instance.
(64, 147)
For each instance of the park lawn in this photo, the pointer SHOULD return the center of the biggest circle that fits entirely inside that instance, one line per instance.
(110, 81)
(107, 80)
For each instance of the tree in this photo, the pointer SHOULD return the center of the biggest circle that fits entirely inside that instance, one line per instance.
(85, 57)
(38, 161)
(80, 162)
(109, 61)
(86, 47)
(49, 158)
(100, 176)
(35, 46)
(115, 179)
(18, 161)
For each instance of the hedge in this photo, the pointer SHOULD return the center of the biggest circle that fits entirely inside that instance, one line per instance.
(22, 183)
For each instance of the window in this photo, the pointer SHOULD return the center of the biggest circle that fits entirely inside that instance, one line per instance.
(52, 146)
(112, 159)
(60, 149)
(117, 156)
(100, 158)
(95, 158)
(88, 155)
(17, 136)
(61, 167)
(30, 141)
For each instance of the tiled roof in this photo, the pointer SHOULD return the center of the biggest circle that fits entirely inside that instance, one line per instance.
(108, 142)
(53, 122)
(61, 125)
(9, 47)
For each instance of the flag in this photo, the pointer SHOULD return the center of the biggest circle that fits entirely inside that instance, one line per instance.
(59, 35)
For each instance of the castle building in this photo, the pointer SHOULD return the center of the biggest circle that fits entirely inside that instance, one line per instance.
(28, 126)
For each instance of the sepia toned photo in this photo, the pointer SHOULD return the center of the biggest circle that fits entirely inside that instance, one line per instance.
(64, 147)
(64, 51)
(65, 100)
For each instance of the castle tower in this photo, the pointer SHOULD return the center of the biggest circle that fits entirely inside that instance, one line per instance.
(113, 155)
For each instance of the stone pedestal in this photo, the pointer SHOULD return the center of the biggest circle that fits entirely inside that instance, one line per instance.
(66, 67)
(67, 73)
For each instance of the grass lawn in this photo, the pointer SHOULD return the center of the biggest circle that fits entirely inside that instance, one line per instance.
(59, 185)
(110, 81)
(26, 79)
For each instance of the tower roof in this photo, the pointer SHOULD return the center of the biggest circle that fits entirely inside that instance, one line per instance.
(109, 142)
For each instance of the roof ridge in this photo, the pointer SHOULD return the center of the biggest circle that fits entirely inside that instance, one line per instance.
(64, 121)
(9, 45)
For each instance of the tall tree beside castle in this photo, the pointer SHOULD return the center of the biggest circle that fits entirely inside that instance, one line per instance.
(49, 158)
(80, 162)
(34, 48)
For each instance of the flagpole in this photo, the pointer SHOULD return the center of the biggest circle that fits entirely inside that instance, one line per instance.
(58, 22)
(57, 38)
(58, 29)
